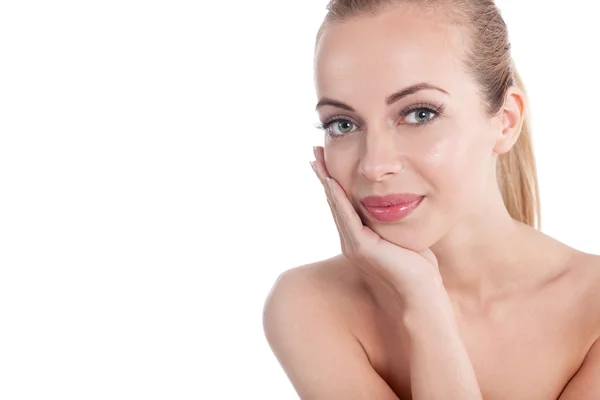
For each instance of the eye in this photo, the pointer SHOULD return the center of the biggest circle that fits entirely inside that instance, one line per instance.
(338, 127)
(420, 116)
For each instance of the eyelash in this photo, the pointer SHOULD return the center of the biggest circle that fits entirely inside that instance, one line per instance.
(435, 108)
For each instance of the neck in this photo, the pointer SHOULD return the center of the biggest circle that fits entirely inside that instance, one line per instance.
(482, 256)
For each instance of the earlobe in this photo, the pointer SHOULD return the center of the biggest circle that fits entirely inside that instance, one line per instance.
(513, 117)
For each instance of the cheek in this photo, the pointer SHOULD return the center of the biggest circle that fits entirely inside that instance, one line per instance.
(340, 163)
(456, 165)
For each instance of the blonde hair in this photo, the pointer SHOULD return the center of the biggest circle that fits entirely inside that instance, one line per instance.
(489, 61)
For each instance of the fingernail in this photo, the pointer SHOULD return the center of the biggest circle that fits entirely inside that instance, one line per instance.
(312, 164)
(328, 180)
(315, 152)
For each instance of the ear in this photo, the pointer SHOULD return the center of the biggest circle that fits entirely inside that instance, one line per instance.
(512, 115)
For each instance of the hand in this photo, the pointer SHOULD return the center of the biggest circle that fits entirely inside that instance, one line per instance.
(409, 273)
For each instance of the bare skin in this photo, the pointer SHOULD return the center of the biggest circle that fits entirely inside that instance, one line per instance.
(526, 306)
(525, 345)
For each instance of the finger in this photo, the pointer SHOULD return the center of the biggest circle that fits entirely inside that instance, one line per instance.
(344, 243)
(344, 207)
(320, 172)
(319, 152)
(346, 240)
(346, 213)
(323, 173)
(342, 231)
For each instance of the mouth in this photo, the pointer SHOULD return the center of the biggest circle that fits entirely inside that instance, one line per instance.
(391, 208)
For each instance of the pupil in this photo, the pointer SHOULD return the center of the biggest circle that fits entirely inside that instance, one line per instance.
(345, 126)
(423, 115)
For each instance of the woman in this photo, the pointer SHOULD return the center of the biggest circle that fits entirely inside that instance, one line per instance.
(445, 288)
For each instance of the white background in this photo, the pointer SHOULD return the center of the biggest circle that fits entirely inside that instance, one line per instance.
(155, 180)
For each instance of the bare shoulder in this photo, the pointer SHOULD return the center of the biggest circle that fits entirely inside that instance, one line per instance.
(589, 274)
(574, 273)
(584, 280)
(328, 286)
(584, 275)
(581, 283)
(307, 325)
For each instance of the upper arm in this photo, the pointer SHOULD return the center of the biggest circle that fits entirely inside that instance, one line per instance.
(586, 382)
(320, 356)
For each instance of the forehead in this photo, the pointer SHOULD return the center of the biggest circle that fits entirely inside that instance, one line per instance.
(382, 53)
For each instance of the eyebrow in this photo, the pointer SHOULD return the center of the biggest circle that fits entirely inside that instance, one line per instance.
(391, 99)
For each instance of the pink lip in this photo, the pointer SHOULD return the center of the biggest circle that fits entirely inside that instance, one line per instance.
(391, 208)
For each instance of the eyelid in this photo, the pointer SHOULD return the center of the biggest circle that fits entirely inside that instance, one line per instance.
(437, 108)
(341, 117)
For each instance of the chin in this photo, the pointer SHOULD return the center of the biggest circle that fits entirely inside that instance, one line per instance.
(408, 236)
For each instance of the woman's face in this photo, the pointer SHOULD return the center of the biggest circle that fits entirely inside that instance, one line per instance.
(433, 140)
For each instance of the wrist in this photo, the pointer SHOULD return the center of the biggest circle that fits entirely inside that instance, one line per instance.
(433, 311)
(430, 294)
(420, 285)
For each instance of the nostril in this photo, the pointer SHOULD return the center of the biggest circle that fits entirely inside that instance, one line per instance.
(378, 171)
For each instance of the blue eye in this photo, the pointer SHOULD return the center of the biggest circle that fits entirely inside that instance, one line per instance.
(421, 113)
(420, 116)
(338, 127)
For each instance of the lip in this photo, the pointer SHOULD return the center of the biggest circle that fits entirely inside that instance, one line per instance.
(393, 207)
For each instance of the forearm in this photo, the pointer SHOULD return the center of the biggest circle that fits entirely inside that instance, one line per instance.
(440, 367)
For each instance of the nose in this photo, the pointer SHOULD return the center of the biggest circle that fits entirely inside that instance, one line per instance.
(380, 158)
